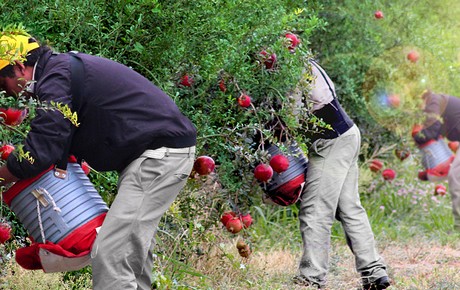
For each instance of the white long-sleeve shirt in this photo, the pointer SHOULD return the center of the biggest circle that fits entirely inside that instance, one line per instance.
(320, 93)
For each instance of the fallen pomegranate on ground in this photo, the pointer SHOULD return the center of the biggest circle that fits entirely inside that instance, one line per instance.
(226, 216)
(234, 225)
(5, 232)
(204, 165)
(243, 249)
(263, 172)
(388, 174)
(247, 220)
(375, 165)
(279, 163)
(440, 190)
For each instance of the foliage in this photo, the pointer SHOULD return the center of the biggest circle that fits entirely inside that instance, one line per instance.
(220, 41)
(367, 59)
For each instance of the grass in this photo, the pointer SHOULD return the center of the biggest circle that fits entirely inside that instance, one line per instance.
(413, 230)
(414, 264)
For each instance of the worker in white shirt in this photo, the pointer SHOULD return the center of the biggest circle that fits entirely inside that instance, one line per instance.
(331, 192)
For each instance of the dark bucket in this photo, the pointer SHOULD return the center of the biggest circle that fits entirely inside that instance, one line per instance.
(286, 187)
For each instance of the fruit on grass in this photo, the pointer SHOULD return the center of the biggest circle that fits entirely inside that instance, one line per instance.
(226, 216)
(240, 244)
(453, 145)
(263, 172)
(5, 232)
(440, 189)
(234, 225)
(293, 40)
(6, 151)
(394, 100)
(12, 116)
(204, 165)
(413, 56)
(243, 249)
(402, 154)
(247, 220)
(422, 175)
(388, 174)
(269, 60)
(279, 163)
(376, 165)
(378, 14)
(85, 167)
(186, 81)
(244, 100)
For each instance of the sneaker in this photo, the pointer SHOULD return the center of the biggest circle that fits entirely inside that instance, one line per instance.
(379, 284)
(303, 281)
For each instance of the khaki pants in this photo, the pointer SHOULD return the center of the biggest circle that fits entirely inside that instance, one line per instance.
(454, 189)
(331, 192)
(121, 255)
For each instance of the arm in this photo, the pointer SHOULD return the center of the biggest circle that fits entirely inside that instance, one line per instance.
(49, 131)
(434, 106)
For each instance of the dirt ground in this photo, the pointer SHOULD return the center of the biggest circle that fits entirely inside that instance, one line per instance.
(417, 266)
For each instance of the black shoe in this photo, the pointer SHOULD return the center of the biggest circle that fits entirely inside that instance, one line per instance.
(379, 284)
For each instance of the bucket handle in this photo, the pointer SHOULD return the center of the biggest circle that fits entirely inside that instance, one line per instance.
(39, 194)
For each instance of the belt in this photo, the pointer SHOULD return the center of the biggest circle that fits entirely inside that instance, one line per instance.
(166, 150)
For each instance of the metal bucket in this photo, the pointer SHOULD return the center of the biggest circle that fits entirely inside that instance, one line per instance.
(434, 153)
(436, 158)
(50, 208)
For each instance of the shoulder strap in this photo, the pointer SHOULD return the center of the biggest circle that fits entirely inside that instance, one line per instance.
(324, 77)
(76, 80)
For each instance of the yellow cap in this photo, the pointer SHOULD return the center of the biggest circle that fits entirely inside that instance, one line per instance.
(14, 47)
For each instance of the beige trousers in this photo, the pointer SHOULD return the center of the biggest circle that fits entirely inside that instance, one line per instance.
(454, 189)
(331, 192)
(122, 253)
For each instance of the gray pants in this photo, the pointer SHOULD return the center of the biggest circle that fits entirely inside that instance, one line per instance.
(454, 189)
(121, 255)
(331, 192)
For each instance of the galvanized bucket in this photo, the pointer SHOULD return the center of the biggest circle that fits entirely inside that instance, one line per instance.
(436, 158)
(434, 153)
(50, 207)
